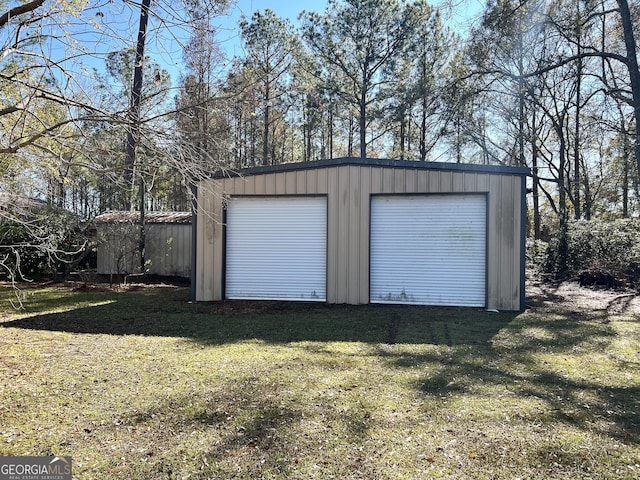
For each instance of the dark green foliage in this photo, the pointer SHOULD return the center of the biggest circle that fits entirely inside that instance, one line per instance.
(606, 252)
(41, 240)
(18, 252)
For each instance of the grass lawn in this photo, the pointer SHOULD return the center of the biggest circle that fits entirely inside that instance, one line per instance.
(139, 384)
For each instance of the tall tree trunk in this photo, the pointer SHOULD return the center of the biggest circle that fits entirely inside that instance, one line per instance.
(537, 230)
(521, 101)
(265, 138)
(577, 208)
(423, 128)
(563, 247)
(134, 128)
(625, 168)
(330, 131)
(363, 124)
(403, 123)
(632, 65)
(133, 132)
(350, 142)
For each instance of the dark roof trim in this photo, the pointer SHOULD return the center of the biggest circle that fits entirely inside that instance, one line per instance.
(377, 162)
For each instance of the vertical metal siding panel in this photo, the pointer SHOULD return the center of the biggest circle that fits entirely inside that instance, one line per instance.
(494, 242)
(353, 232)
(434, 181)
(343, 235)
(400, 185)
(259, 187)
(280, 182)
(511, 235)
(364, 216)
(333, 235)
(244, 185)
(410, 181)
(388, 180)
(321, 180)
(168, 244)
(469, 182)
(205, 254)
(269, 180)
(187, 243)
(182, 258)
(229, 187)
(301, 181)
(446, 182)
(239, 184)
(422, 181)
(214, 246)
(200, 240)
(376, 180)
(152, 250)
(174, 260)
(171, 245)
(102, 255)
(290, 183)
(163, 247)
(505, 239)
(482, 182)
(457, 182)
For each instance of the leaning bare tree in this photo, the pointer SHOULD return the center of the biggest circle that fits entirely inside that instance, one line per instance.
(62, 135)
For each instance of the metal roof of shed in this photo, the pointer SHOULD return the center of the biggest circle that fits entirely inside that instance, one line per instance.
(150, 217)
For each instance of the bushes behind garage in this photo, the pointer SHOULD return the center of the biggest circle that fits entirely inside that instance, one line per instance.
(598, 253)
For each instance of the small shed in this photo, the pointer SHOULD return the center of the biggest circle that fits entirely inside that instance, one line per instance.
(361, 231)
(168, 237)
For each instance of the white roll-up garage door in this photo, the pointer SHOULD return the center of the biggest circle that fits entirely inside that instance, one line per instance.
(429, 249)
(276, 248)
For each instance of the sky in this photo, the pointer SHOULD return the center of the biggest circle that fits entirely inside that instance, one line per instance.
(459, 13)
(166, 47)
(282, 8)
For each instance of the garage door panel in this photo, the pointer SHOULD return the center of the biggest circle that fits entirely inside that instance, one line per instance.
(276, 248)
(428, 249)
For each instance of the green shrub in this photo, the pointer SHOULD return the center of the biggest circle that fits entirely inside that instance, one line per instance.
(610, 247)
(38, 241)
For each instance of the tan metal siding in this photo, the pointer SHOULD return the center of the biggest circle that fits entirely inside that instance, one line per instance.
(349, 188)
(117, 251)
(364, 214)
(167, 249)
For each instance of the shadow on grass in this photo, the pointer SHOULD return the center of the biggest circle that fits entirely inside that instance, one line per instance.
(510, 364)
(166, 312)
(476, 351)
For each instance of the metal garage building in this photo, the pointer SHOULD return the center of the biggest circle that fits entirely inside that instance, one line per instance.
(363, 231)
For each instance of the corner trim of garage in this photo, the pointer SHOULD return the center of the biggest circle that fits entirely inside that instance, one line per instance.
(194, 241)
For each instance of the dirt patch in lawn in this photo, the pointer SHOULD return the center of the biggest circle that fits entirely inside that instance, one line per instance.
(572, 296)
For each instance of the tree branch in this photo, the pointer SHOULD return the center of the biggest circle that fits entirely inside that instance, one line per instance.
(19, 10)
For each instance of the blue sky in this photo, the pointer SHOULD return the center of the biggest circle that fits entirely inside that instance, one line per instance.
(282, 8)
(164, 46)
(459, 13)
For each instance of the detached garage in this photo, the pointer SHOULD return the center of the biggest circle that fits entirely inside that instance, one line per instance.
(363, 231)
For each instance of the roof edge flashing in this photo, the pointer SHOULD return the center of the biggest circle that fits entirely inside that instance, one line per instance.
(375, 162)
